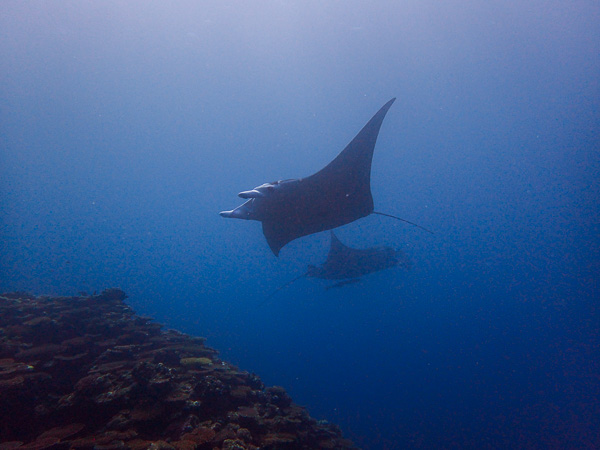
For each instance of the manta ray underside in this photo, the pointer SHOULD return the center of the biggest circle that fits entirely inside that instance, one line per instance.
(338, 194)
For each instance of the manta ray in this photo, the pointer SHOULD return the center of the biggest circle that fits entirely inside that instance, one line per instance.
(346, 264)
(336, 195)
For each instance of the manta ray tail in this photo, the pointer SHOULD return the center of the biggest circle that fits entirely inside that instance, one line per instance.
(403, 220)
(272, 294)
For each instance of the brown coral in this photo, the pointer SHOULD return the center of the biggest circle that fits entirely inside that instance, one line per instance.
(107, 379)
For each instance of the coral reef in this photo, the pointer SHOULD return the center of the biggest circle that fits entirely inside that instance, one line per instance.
(87, 373)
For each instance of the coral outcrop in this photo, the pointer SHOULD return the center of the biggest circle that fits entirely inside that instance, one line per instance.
(87, 373)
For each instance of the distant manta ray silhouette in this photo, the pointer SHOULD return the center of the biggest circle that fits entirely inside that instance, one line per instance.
(347, 264)
(338, 194)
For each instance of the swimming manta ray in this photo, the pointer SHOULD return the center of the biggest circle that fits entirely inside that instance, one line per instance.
(338, 194)
(347, 265)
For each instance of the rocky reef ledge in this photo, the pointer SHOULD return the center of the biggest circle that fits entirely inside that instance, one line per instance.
(87, 373)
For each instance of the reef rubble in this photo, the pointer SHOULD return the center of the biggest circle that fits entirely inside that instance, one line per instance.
(86, 372)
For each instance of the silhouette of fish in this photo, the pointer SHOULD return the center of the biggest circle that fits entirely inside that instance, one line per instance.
(338, 194)
(347, 264)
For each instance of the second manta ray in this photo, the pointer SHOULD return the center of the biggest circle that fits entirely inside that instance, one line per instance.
(347, 265)
(338, 194)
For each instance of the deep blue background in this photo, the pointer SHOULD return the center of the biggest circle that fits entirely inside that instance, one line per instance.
(127, 126)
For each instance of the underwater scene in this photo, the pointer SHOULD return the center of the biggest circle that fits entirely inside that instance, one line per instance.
(284, 224)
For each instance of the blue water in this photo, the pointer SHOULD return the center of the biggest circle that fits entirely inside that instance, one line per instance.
(127, 126)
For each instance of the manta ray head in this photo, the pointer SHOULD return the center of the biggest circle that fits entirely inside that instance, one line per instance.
(249, 210)
(259, 199)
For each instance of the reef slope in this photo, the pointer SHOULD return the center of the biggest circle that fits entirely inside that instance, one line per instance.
(87, 373)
